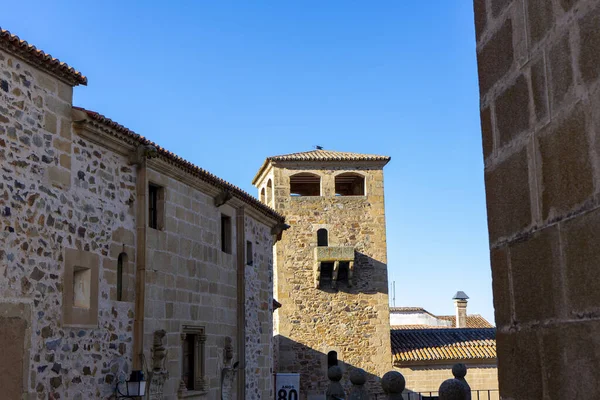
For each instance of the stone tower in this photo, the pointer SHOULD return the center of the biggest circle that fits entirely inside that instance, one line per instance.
(330, 266)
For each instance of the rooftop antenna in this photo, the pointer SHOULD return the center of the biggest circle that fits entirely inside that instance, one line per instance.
(319, 147)
(394, 294)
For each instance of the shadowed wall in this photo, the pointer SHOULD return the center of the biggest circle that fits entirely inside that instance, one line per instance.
(539, 66)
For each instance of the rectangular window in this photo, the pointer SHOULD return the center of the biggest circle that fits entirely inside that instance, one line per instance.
(249, 254)
(193, 339)
(156, 205)
(225, 233)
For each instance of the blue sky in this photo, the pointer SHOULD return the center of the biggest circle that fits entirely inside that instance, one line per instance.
(225, 84)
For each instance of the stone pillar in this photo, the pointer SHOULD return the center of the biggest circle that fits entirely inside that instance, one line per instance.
(335, 391)
(393, 384)
(460, 371)
(452, 389)
(334, 275)
(539, 76)
(358, 377)
(182, 390)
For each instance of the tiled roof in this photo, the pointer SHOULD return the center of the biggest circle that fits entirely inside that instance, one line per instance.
(419, 326)
(321, 155)
(328, 155)
(30, 53)
(185, 165)
(473, 321)
(451, 344)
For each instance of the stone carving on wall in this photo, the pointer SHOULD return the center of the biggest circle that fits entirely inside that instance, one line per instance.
(159, 374)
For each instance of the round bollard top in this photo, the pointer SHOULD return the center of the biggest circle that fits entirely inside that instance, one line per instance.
(358, 376)
(393, 382)
(459, 370)
(334, 373)
(452, 389)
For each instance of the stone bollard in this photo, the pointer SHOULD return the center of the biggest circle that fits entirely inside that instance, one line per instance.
(393, 384)
(460, 371)
(358, 377)
(452, 389)
(335, 391)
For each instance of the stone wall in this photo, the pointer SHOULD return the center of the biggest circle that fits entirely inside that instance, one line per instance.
(68, 201)
(189, 280)
(259, 313)
(353, 321)
(58, 191)
(429, 378)
(539, 70)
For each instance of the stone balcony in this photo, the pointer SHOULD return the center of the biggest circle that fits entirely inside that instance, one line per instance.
(333, 255)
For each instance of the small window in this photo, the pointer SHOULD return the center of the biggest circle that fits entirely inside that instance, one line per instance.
(82, 284)
(225, 234)
(192, 357)
(332, 359)
(262, 195)
(269, 192)
(249, 254)
(121, 264)
(156, 198)
(349, 184)
(305, 184)
(322, 240)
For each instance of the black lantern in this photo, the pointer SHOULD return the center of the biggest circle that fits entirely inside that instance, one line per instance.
(135, 386)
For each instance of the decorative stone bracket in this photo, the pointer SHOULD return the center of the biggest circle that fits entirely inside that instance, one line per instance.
(223, 197)
(141, 152)
(335, 255)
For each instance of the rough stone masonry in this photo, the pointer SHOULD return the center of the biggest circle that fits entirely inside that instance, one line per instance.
(70, 245)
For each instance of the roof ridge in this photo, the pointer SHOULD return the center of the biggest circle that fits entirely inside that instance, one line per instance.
(322, 155)
(12, 43)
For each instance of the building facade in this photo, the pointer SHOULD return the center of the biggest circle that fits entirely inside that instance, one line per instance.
(330, 266)
(426, 346)
(116, 255)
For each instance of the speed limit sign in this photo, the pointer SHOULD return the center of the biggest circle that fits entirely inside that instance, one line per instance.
(287, 386)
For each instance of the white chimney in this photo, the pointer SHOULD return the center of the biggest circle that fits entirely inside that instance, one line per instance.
(460, 303)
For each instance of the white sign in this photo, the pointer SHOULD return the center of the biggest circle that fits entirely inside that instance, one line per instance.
(287, 386)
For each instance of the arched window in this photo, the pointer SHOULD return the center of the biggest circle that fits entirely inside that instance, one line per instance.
(322, 239)
(349, 184)
(305, 184)
(262, 195)
(121, 264)
(269, 191)
(332, 359)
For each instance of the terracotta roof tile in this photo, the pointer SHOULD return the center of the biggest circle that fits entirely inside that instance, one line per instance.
(327, 155)
(185, 165)
(450, 344)
(12, 43)
(473, 321)
(321, 155)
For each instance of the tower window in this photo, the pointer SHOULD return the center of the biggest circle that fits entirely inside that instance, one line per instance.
(262, 195)
(226, 234)
(269, 192)
(349, 184)
(322, 239)
(305, 184)
(332, 359)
